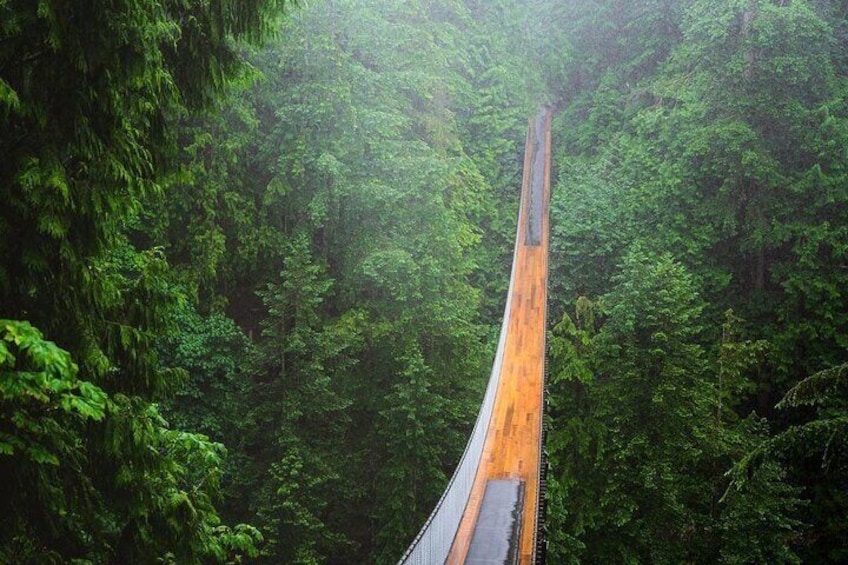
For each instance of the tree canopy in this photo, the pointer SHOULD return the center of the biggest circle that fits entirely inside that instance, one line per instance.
(253, 256)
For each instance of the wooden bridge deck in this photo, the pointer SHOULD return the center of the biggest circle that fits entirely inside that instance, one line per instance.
(512, 442)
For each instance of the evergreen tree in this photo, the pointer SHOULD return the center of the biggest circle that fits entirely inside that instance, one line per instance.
(90, 94)
(718, 151)
(641, 451)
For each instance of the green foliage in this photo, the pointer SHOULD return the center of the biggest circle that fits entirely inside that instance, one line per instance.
(40, 393)
(642, 438)
(303, 362)
(762, 508)
(714, 142)
(215, 355)
(350, 208)
(166, 487)
(813, 452)
(90, 94)
(172, 476)
(825, 389)
(336, 211)
(413, 472)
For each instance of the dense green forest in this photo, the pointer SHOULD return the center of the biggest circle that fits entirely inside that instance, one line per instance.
(700, 250)
(253, 256)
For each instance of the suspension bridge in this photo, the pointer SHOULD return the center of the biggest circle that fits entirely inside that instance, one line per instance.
(492, 511)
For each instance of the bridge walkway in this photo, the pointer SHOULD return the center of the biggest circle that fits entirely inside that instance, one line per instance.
(512, 446)
(505, 446)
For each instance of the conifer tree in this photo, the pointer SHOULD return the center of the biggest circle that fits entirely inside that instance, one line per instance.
(90, 94)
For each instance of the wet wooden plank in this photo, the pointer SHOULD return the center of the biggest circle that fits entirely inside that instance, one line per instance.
(496, 533)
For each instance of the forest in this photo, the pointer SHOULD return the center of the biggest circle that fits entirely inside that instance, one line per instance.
(254, 253)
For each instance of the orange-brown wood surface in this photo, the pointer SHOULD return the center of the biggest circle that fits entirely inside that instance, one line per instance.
(512, 442)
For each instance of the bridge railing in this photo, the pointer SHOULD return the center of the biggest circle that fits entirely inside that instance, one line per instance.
(433, 543)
